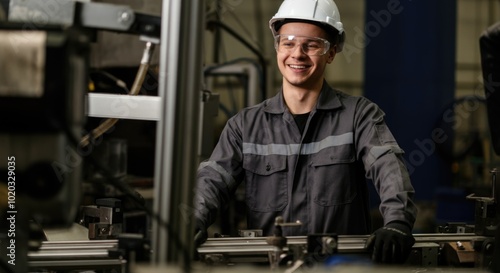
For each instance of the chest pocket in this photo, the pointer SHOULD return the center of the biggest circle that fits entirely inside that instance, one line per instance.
(266, 182)
(334, 178)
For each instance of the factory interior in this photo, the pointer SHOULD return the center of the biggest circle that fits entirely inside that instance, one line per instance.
(110, 106)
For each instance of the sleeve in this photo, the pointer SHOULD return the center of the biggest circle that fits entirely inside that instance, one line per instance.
(384, 164)
(220, 175)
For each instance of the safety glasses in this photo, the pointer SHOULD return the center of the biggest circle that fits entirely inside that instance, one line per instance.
(311, 46)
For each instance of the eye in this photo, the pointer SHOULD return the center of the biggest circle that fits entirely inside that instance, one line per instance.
(313, 45)
(287, 44)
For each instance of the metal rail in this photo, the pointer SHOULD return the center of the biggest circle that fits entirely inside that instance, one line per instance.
(67, 255)
(346, 243)
(92, 254)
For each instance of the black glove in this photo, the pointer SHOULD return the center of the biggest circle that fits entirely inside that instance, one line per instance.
(200, 234)
(391, 244)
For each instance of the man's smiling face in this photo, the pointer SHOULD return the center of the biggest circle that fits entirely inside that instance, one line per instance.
(299, 69)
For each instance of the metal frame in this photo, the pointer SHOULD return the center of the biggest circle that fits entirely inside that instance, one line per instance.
(176, 108)
(175, 162)
(252, 95)
(67, 255)
(233, 250)
(124, 106)
(88, 254)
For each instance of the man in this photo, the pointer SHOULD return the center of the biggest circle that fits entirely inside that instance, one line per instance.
(305, 153)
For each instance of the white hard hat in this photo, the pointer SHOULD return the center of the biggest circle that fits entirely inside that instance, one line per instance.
(320, 11)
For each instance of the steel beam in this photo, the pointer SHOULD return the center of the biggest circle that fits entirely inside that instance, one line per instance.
(176, 141)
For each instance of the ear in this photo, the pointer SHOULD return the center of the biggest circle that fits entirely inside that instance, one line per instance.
(331, 54)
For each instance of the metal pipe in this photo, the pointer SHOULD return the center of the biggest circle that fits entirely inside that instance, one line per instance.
(136, 88)
(177, 130)
(217, 33)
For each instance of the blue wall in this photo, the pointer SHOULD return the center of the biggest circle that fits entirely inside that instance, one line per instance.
(410, 74)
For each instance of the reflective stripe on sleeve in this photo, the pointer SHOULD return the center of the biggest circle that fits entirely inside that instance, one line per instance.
(293, 149)
(226, 177)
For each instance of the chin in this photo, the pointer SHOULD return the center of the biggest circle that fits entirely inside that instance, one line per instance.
(296, 80)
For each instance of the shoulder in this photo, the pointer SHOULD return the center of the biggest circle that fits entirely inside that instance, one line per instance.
(353, 101)
(273, 105)
(491, 33)
(250, 113)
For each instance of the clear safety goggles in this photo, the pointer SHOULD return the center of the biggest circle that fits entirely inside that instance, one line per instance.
(311, 46)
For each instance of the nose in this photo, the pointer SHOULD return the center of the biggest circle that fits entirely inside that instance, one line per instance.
(298, 51)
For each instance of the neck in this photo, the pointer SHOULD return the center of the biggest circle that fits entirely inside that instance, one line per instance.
(300, 100)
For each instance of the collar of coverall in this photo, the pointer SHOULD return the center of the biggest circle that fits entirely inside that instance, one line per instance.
(328, 100)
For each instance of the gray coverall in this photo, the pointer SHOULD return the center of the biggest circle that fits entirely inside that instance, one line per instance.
(318, 177)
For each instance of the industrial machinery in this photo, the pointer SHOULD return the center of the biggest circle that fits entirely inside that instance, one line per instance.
(458, 249)
(37, 135)
(427, 251)
(48, 46)
(45, 72)
(104, 220)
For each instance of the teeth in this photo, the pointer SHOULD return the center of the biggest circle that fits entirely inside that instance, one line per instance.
(297, 66)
